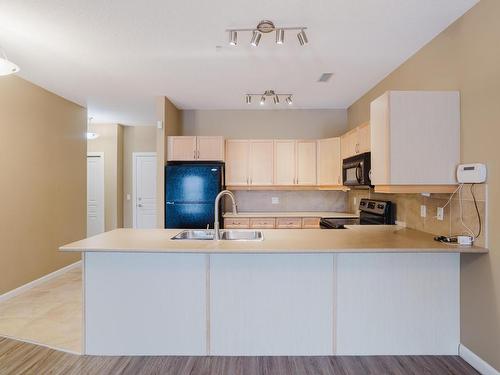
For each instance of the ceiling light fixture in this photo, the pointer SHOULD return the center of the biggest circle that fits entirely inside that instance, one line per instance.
(302, 37)
(6, 66)
(233, 38)
(256, 35)
(265, 27)
(280, 36)
(270, 94)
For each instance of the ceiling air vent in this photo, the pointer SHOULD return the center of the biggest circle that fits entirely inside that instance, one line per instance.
(325, 77)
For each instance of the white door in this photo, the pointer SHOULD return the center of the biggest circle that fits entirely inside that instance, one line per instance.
(95, 193)
(145, 209)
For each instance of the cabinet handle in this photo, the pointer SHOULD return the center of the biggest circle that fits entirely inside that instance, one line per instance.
(198, 154)
(194, 154)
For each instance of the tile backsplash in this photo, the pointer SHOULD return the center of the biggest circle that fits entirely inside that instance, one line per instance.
(291, 201)
(408, 210)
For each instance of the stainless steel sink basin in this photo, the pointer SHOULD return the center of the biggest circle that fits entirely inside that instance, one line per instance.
(241, 235)
(194, 234)
(225, 235)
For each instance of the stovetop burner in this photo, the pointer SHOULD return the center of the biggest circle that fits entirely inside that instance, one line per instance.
(371, 212)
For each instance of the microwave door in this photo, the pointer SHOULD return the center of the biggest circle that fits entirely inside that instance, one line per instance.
(353, 175)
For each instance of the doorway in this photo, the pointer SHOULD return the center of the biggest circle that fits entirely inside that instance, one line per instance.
(95, 193)
(144, 190)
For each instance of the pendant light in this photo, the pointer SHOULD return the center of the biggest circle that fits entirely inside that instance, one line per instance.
(6, 66)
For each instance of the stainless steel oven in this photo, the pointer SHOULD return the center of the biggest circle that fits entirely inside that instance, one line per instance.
(356, 170)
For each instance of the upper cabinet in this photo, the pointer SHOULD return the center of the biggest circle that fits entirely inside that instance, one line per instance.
(261, 162)
(294, 162)
(415, 138)
(249, 162)
(188, 148)
(284, 162)
(306, 162)
(329, 162)
(356, 141)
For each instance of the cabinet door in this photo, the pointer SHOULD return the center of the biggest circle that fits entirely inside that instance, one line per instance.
(306, 163)
(181, 148)
(243, 223)
(348, 144)
(363, 135)
(284, 162)
(261, 162)
(329, 165)
(237, 153)
(210, 148)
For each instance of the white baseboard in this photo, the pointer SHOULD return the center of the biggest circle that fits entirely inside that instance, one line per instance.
(475, 361)
(31, 284)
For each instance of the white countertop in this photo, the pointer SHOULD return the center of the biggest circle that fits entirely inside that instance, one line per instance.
(321, 214)
(355, 239)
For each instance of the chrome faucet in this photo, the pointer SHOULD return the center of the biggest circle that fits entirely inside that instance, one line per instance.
(216, 221)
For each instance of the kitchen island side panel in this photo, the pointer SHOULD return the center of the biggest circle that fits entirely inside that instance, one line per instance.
(397, 304)
(271, 304)
(145, 304)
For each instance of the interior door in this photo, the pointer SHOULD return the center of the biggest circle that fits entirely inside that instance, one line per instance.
(95, 194)
(210, 148)
(237, 154)
(284, 162)
(145, 191)
(261, 162)
(306, 163)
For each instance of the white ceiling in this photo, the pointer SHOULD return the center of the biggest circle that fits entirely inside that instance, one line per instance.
(115, 56)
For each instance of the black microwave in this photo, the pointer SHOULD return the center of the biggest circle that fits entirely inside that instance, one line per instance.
(356, 170)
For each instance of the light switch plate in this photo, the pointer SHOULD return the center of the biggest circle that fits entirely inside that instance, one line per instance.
(423, 210)
(275, 200)
(128, 197)
(440, 213)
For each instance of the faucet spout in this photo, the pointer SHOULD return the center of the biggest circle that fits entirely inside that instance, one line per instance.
(216, 211)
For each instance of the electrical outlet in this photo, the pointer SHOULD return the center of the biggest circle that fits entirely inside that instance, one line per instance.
(440, 213)
(423, 210)
(275, 200)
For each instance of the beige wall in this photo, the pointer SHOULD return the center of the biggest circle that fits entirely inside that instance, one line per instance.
(110, 142)
(43, 181)
(135, 139)
(296, 123)
(171, 117)
(466, 57)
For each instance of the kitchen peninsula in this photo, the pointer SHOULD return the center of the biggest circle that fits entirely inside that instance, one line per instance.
(365, 290)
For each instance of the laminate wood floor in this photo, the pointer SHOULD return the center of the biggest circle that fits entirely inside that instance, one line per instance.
(19, 358)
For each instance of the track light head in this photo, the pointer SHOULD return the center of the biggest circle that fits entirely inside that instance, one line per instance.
(288, 100)
(233, 37)
(302, 37)
(262, 100)
(280, 36)
(276, 99)
(248, 99)
(256, 35)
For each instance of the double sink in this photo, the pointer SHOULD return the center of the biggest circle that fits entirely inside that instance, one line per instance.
(225, 235)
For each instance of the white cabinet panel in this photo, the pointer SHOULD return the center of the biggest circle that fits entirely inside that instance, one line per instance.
(329, 164)
(397, 304)
(271, 304)
(210, 148)
(306, 162)
(261, 162)
(181, 148)
(145, 304)
(284, 162)
(237, 161)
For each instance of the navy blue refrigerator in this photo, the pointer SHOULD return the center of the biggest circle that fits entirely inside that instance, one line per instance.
(190, 191)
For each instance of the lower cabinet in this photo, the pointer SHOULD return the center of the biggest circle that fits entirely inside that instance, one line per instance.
(272, 223)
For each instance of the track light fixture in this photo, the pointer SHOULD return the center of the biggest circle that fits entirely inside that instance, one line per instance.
(269, 94)
(302, 37)
(233, 38)
(256, 35)
(265, 27)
